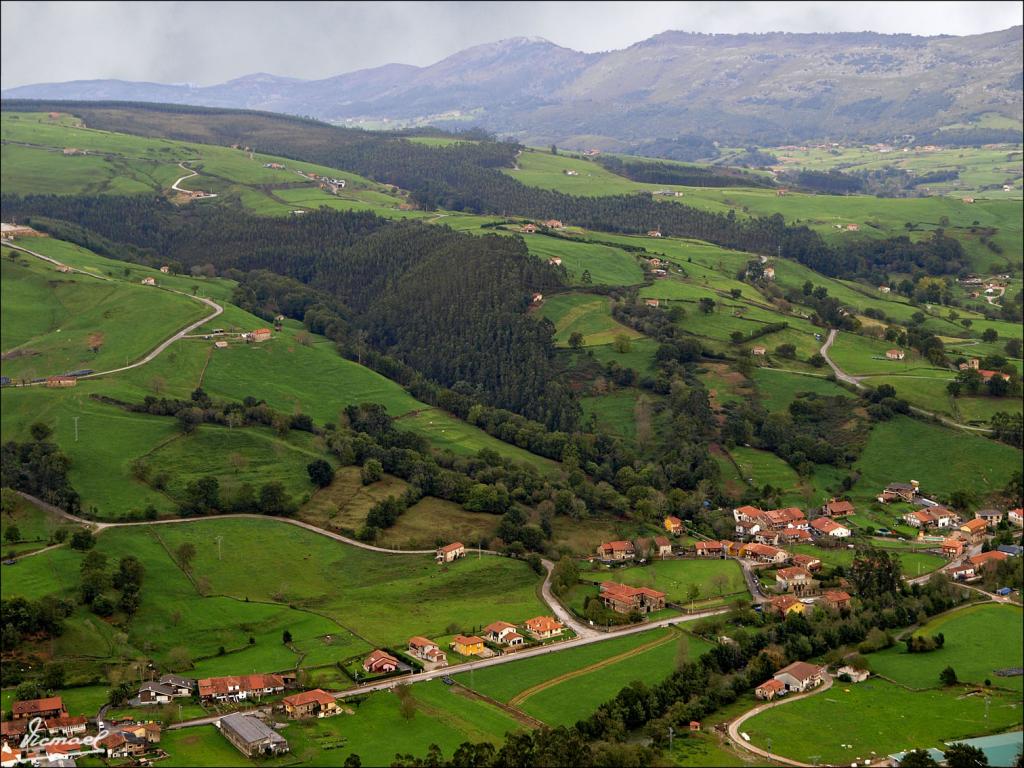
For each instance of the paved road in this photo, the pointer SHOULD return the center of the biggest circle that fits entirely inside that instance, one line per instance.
(585, 635)
(857, 381)
(735, 725)
(217, 309)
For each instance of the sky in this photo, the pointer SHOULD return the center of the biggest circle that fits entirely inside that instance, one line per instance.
(210, 42)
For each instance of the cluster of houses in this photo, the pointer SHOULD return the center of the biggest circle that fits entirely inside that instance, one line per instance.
(508, 637)
(790, 525)
(68, 735)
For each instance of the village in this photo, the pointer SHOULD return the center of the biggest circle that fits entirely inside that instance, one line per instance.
(250, 711)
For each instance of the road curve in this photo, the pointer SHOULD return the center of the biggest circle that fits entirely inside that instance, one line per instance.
(189, 175)
(859, 384)
(735, 725)
(217, 309)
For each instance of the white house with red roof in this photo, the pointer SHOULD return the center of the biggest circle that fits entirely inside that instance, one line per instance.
(825, 526)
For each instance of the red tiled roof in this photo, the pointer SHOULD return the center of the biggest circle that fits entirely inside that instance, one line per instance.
(793, 572)
(836, 596)
(618, 546)
(840, 507)
(498, 626)
(746, 509)
(220, 686)
(317, 695)
(801, 670)
(784, 602)
(543, 624)
(976, 525)
(379, 655)
(661, 541)
(463, 640)
(625, 592)
(772, 685)
(826, 525)
(420, 642)
(708, 545)
(988, 557)
(763, 549)
(31, 706)
(453, 547)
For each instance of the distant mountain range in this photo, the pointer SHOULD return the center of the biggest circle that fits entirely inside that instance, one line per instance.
(764, 88)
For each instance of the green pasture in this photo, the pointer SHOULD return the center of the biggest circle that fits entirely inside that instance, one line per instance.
(878, 718)
(978, 640)
(606, 265)
(57, 322)
(778, 388)
(583, 313)
(712, 578)
(903, 449)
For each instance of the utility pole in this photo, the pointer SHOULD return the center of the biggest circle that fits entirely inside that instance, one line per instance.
(76, 428)
(218, 539)
(671, 734)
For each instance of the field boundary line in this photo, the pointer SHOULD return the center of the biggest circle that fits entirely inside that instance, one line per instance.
(518, 714)
(522, 696)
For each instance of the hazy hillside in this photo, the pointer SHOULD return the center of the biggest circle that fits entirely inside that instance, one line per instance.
(733, 88)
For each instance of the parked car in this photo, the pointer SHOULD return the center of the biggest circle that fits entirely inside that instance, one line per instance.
(447, 680)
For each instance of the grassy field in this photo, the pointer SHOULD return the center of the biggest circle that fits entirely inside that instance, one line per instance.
(34, 525)
(586, 314)
(337, 601)
(978, 640)
(606, 265)
(905, 448)
(676, 577)
(54, 322)
(777, 388)
(913, 563)
(442, 716)
(878, 718)
(561, 689)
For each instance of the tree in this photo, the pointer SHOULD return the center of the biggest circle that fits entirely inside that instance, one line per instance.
(962, 755)
(621, 343)
(948, 676)
(372, 471)
(82, 539)
(352, 761)
(12, 534)
(918, 758)
(816, 360)
(53, 676)
(1013, 347)
(989, 334)
(575, 340)
(286, 637)
(274, 499)
(320, 472)
(40, 431)
(184, 554)
(554, 149)
(707, 306)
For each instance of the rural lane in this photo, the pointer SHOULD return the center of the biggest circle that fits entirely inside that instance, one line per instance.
(217, 310)
(190, 174)
(735, 725)
(858, 382)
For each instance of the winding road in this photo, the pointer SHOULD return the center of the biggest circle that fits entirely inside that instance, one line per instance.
(217, 309)
(737, 724)
(585, 634)
(858, 382)
(190, 192)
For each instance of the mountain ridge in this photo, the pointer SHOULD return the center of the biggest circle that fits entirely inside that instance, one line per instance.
(751, 87)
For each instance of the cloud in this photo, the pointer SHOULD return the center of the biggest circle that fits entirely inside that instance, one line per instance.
(207, 43)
